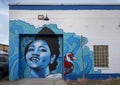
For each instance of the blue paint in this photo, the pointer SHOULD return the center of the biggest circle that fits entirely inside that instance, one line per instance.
(75, 76)
(84, 41)
(71, 43)
(66, 48)
(16, 72)
(77, 68)
(89, 63)
(64, 7)
(74, 40)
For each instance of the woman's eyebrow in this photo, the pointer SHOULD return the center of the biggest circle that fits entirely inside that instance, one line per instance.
(42, 47)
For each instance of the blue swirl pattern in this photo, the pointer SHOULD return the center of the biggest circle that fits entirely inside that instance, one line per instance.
(17, 66)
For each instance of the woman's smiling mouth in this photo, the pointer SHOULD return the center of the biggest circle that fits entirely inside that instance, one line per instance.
(34, 59)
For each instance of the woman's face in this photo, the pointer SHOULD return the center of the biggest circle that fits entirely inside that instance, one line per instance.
(38, 54)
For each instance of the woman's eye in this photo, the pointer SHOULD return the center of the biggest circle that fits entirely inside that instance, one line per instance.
(30, 49)
(43, 50)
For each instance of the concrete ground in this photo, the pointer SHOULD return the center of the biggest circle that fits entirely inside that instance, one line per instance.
(35, 82)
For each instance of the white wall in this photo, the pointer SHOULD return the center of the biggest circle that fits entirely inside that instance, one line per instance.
(101, 27)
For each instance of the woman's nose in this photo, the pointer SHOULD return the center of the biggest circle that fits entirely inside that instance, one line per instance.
(36, 52)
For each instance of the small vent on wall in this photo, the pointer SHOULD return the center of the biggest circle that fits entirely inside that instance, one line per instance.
(41, 17)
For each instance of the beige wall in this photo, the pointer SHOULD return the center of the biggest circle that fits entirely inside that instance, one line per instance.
(4, 47)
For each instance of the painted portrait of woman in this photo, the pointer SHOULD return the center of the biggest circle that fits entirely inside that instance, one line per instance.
(41, 54)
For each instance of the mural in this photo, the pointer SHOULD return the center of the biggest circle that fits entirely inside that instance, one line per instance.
(68, 63)
(41, 54)
(47, 51)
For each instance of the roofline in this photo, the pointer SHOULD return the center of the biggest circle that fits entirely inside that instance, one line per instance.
(3, 44)
(32, 3)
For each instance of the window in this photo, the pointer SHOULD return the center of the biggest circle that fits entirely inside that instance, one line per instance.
(3, 58)
(100, 56)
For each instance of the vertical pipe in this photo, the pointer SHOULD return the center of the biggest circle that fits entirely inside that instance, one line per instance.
(82, 55)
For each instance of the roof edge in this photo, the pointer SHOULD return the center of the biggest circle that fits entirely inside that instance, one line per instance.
(32, 3)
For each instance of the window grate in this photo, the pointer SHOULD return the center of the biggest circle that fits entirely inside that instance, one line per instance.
(100, 56)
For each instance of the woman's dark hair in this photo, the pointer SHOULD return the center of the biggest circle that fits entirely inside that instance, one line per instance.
(52, 40)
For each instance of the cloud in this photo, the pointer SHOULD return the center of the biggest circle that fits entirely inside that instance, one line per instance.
(1, 26)
(4, 11)
(4, 35)
(4, 8)
(4, 39)
(66, 1)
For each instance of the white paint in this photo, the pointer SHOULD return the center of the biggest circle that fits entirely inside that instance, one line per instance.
(3, 52)
(101, 27)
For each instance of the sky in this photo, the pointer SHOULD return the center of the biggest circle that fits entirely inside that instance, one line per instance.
(4, 12)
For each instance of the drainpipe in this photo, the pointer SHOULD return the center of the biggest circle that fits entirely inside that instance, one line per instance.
(81, 39)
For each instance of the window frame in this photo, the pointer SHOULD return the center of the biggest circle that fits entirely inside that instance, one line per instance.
(102, 50)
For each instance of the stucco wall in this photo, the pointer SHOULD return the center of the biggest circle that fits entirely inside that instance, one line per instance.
(101, 27)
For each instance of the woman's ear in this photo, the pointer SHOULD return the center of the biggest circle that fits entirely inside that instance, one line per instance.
(53, 58)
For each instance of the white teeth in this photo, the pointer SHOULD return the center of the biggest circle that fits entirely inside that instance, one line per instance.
(34, 59)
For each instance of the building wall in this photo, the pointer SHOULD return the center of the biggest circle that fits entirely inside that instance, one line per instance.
(4, 47)
(101, 27)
